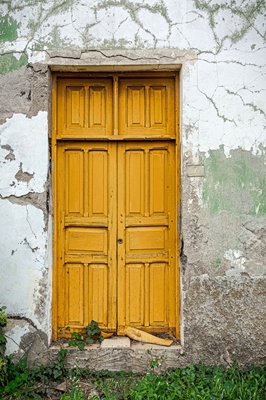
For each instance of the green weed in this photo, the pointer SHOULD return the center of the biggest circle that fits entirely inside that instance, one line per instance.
(31, 383)
(203, 383)
(3, 322)
(196, 382)
(115, 385)
(92, 334)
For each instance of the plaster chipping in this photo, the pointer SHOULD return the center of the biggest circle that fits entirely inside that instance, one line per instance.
(38, 200)
(22, 176)
(237, 262)
(10, 156)
(24, 256)
(24, 135)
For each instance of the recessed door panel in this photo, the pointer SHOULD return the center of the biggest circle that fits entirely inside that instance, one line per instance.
(98, 288)
(159, 297)
(158, 169)
(98, 183)
(146, 239)
(80, 240)
(135, 294)
(84, 108)
(135, 110)
(74, 285)
(75, 101)
(73, 164)
(147, 107)
(135, 183)
(97, 101)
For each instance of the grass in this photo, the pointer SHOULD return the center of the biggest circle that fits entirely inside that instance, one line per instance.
(200, 382)
(204, 383)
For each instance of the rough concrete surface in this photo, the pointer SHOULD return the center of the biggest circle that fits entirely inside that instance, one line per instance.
(25, 92)
(224, 319)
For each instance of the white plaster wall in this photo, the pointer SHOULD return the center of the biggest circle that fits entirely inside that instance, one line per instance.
(224, 88)
(29, 140)
(23, 234)
(23, 253)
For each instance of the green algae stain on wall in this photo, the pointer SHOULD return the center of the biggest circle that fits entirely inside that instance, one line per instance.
(53, 41)
(8, 33)
(9, 63)
(8, 29)
(236, 184)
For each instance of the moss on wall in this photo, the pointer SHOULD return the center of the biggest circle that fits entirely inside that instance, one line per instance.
(8, 62)
(238, 20)
(236, 184)
(8, 29)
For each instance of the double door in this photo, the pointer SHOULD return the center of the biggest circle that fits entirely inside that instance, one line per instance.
(115, 203)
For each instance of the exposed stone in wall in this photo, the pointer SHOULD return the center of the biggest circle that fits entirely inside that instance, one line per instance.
(33, 343)
(24, 91)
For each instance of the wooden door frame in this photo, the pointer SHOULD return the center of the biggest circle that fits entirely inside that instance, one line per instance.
(142, 74)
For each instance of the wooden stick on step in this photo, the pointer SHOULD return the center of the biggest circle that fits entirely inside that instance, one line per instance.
(140, 336)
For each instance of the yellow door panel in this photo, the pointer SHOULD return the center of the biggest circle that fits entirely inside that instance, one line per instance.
(86, 240)
(159, 282)
(158, 200)
(135, 183)
(147, 107)
(147, 240)
(74, 160)
(98, 201)
(98, 289)
(84, 108)
(75, 107)
(134, 294)
(74, 294)
(158, 105)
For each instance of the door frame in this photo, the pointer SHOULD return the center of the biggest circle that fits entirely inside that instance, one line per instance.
(54, 141)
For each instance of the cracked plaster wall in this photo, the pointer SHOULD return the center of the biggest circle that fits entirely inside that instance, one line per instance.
(221, 49)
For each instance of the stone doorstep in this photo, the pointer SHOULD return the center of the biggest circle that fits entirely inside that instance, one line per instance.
(122, 354)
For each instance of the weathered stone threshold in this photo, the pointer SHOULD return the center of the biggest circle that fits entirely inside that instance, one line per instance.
(121, 354)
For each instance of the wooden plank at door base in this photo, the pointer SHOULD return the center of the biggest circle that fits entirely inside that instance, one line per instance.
(106, 335)
(145, 337)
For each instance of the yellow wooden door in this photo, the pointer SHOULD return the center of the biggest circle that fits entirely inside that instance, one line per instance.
(147, 280)
(86, 277)
(116, 220)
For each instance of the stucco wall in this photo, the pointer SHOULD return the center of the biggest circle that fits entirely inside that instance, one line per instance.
(220, 48)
